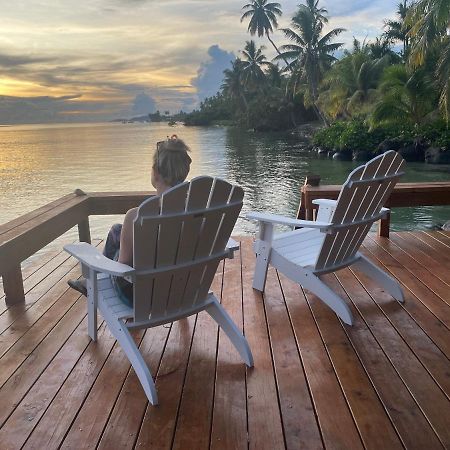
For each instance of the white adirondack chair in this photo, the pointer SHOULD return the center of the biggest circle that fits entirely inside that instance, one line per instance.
(332, 241)
(179, 240)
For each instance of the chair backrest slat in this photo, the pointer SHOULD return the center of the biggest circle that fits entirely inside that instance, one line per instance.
(145, 242)
(224, 232)
(220, 194)
(375, 198)
(359, 201)
(193, 224)
(174, 201)
(198, 197)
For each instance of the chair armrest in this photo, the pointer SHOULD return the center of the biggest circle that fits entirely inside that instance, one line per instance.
(324, 202)
(233, 245)
(92, 258)
(276, 219)
(385, 211)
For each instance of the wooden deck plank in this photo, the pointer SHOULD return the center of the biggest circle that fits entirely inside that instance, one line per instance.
(425, 256)
(300, 425)
(389, 371)
(38, 311)
(229, 421)
(30, 265)
(16, 381)
(422, 266)
(405, 415)
(441, 236)
(31, 289)
(31, 408)
(92, 417)
(417, 286)
(425, 319)
(264, 417)
(56, 420)
(158, 426)
(367, 410)
(433, 359)
(195, 413)
(432, 400)
(428, 244)
(336, 423)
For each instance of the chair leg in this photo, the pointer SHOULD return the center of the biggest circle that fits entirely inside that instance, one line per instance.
(329, 297)
(92, 291)
(262, 263)
(123, 336)
(381, 277)
(218, 313)
(314, 284)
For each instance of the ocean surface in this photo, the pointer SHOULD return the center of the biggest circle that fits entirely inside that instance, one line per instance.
(40, 163)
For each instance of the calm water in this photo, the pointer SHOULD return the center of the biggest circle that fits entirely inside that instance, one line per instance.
(40, 163)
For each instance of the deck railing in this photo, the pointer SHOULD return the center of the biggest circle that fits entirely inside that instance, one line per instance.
(24, 236)
(404, 195)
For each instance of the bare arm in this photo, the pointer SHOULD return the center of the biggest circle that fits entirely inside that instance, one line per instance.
(126, 238)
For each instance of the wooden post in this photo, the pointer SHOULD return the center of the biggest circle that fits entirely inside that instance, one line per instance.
(384, 225)
(303, 213)
(13, 286)
(84, 231)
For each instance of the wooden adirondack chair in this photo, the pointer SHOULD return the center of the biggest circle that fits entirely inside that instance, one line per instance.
(179, 240)
(332, 241)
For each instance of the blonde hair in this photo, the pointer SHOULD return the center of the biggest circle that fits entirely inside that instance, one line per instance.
(171, 160)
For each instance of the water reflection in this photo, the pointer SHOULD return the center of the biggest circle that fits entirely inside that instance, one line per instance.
(41, 163)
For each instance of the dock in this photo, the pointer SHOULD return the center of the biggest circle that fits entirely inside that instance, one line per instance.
(383, 383)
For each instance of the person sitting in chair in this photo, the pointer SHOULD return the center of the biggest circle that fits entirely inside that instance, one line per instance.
(171, 164)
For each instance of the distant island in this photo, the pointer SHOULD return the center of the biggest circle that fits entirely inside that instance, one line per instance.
(171, 119)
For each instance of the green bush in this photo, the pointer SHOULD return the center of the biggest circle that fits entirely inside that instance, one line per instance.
(443, 141)
(437, 134)
(356, 137)
(328, 138)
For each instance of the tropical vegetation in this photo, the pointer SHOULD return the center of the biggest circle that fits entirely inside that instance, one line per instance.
(393, 90)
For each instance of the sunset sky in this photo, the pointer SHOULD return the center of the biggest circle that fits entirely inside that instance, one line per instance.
(67, 60)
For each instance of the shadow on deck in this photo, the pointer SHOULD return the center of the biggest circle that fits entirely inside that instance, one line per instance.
(383, 383)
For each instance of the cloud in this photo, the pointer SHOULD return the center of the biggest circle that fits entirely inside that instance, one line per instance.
(143, 104)
(108, 52)
(48, 109)
(210, 73)
(8, 60)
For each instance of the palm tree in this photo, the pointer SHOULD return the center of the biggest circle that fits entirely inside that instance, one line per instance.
(408, 96)
(430, 21)
(232, 86)
(274, 76)
(430, 24)
(352, 81)
(253, 61)
(398, 30)
(263, 19)
(382, 47)
(310, 53)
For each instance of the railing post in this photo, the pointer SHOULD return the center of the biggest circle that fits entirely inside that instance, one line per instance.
(13, 286)
(84, 231)
(305, 211)
(301, 213)
(384, 225)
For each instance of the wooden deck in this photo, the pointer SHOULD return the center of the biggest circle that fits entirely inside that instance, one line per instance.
(382, 384)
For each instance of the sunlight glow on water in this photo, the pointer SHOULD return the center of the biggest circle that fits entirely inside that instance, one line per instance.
(40, 163)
